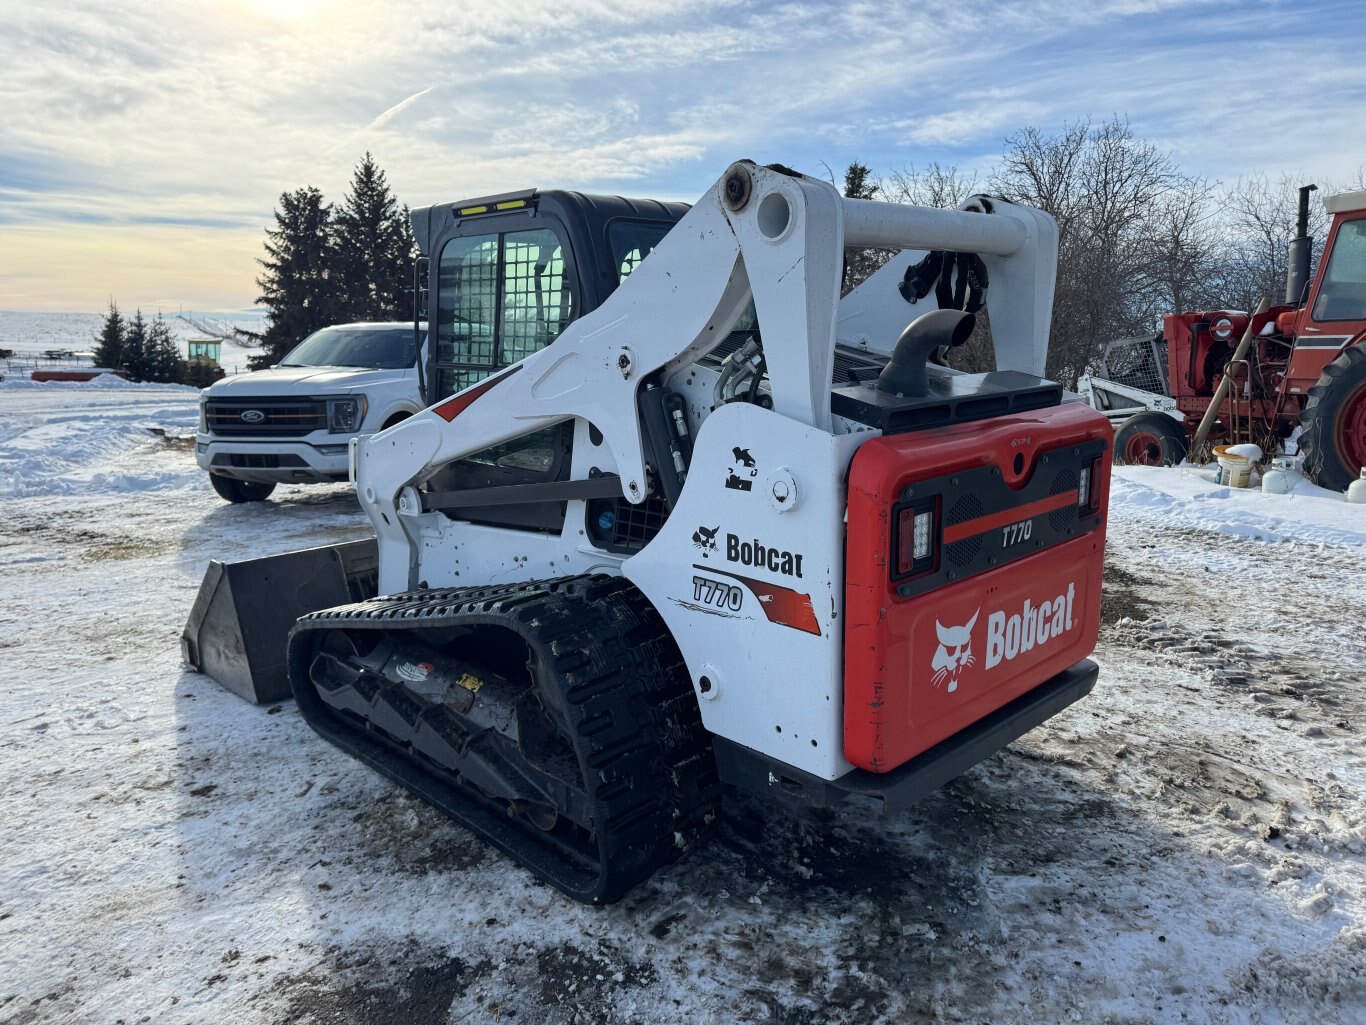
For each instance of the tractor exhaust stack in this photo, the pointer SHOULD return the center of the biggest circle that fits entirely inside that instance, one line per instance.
(1301, 249)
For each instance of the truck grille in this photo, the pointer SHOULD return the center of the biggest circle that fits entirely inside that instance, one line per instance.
(288, 418)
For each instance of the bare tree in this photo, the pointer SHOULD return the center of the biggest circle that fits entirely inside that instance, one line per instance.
(1259, 223)
(1183, 250)
(936, 185)
(1122, 208)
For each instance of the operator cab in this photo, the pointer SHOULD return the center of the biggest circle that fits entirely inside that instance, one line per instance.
(510, 272)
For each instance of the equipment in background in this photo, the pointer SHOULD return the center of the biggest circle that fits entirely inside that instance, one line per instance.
(680, 516)
(201, 364)
(1304, 365)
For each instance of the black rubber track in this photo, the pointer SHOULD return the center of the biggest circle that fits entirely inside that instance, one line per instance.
(645, 757)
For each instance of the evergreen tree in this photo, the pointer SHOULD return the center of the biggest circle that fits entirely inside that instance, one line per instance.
(109, 347)
(859, 182)
(164, 362)
(299, 285)
(374, 244)
(135, 348)
(409, 253)
(860, 264)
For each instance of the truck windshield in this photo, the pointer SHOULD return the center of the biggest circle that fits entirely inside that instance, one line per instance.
(380, 348)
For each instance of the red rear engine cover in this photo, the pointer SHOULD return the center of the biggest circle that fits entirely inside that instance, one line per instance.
(1013, 593)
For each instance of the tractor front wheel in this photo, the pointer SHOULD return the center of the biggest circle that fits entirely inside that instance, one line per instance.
(1150, 439)
(1334, 422)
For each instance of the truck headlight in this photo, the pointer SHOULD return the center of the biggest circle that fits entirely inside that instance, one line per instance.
(203, 416)
(344, 416)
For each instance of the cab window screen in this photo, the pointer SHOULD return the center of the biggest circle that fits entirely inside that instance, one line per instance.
(500, 298)
(536, 299)
(467, 303)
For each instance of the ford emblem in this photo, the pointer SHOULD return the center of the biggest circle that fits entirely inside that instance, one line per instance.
(252, 416)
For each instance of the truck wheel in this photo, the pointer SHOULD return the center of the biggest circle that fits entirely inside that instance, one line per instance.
(1150, 439)
(1334, 422)
(240, 490)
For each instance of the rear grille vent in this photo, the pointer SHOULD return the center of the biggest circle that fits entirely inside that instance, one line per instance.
(961, 553)
(273, 417)
(1061, 519)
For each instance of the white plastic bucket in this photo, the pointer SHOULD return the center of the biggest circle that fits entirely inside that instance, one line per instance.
(1234, 471)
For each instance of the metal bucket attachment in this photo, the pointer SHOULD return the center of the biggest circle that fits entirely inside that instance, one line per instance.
(239, 626)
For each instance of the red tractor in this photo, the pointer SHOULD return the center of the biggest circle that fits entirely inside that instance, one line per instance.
(1302, 363)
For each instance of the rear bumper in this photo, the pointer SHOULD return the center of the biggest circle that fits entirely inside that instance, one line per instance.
(922, 775)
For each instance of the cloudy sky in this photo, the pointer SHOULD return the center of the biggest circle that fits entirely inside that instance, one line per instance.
(144, 143)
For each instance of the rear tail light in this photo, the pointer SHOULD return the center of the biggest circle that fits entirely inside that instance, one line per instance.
(917, 537)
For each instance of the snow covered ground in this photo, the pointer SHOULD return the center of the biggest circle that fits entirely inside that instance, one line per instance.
(1187, 844)
(28, 335)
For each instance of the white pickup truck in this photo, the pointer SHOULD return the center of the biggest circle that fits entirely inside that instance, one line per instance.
(293, 423)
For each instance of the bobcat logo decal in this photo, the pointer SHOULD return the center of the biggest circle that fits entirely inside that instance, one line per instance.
(954, 653)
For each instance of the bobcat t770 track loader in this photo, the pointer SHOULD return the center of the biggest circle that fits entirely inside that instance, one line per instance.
(650, 539)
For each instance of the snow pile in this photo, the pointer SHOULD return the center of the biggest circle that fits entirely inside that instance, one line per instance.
(1187, 496)
(102, 381)
(109, 440)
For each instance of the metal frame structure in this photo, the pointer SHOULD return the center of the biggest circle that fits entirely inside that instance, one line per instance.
(761, 235)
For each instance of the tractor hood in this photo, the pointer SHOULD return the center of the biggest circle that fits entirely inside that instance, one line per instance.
(306, 380)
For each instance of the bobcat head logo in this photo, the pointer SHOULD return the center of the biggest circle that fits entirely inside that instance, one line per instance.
(705, 539)
(954, 653)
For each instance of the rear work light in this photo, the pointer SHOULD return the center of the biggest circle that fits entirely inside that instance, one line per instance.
(917, 535)
(1087, 497)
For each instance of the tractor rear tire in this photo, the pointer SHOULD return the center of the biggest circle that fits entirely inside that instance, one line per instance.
(1150, 439)
(236, 491)
(1334, 422)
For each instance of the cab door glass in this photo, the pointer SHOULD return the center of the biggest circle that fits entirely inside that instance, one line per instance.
(500, 297)
(631, 241)
(1342, 293)
(537, 299)
(467, 304)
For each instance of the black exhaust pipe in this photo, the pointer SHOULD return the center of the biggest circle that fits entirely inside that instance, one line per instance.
(1301, 249)
(904, 373)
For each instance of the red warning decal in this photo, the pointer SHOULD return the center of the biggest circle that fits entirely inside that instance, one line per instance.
(781, 605)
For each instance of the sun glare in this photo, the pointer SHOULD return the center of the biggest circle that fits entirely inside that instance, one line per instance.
(289, 10)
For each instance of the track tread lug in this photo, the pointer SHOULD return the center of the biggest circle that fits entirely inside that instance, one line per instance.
(628, 698)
